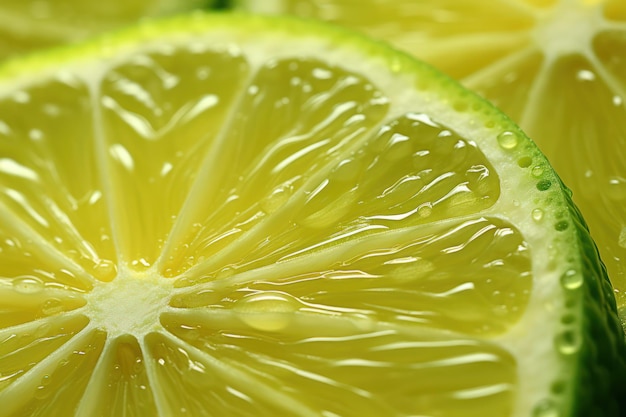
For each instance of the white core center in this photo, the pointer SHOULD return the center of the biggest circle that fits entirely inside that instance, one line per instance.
(130, 304)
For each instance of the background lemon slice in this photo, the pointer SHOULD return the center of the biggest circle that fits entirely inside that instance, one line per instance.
(557, 67)
(26, 25)
(238, 216)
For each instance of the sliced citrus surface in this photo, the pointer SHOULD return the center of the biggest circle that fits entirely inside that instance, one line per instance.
(239, 216)
(557, 67)
(32, 24)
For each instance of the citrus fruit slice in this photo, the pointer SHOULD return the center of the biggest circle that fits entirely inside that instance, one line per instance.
(31, 24)
(239, 216)
(557, 67)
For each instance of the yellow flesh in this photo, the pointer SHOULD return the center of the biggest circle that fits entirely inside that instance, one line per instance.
(557, 67)
(141, 230)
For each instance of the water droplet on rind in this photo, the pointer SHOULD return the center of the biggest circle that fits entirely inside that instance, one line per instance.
(508, 140)
(572, 280)
(571, 302)
(561, 226)
(537, 214)
(524, 162)
(460, 105)
(537, 171)
(567, 342)
(543, 185)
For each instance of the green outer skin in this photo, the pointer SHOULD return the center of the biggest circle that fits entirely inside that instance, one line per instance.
(601, 388)
(595, 384)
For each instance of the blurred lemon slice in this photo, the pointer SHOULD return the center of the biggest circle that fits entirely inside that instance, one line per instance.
(32, 24)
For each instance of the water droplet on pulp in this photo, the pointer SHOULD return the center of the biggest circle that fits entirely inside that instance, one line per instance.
(28, 284)
(267, 311)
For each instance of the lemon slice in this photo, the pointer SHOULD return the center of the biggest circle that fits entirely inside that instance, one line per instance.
(239, 216)
(31, 24)
(557, 67)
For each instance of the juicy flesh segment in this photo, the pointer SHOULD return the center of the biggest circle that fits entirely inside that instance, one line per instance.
(179, 240)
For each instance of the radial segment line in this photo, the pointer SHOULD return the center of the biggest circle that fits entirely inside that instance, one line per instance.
(300, 262)
(158, 393)
(477, 41)
(342, 327)
(498, 67)
(89, 400)
(100, 156)
(537, 90)
(33, 325)
(236, 376)
(277, 218)
(200, 187)
(17, 227)
(19, 392)
(611, 81)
